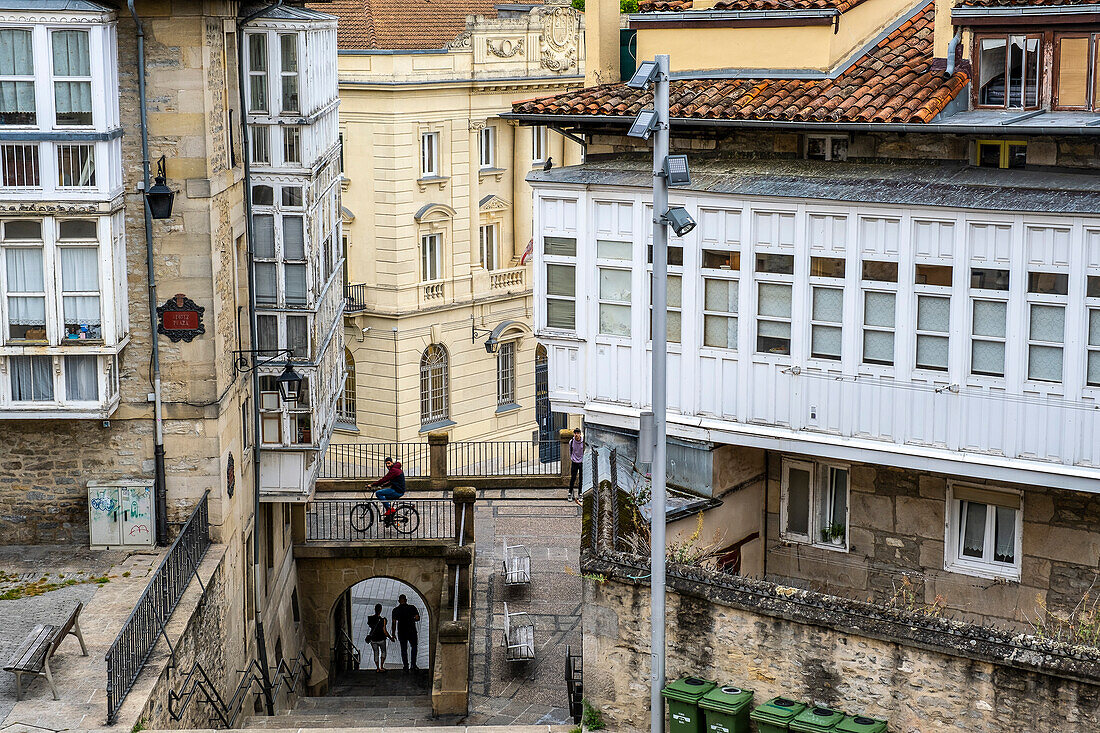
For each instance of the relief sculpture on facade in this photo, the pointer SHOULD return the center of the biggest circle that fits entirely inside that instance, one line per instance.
(560, 39)
(505, 48)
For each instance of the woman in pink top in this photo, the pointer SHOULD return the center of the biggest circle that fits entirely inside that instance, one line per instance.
(576, 456)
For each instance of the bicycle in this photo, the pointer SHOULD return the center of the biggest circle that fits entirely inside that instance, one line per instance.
(404, 520)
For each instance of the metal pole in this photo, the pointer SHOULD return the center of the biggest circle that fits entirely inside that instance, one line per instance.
(660, 355)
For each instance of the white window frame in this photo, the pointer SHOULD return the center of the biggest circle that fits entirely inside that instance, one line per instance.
(986, 295)
(820, 473)
(677, 272)
(953, 557)
(274, 411)
(429, 154)
(940, 292)
(1092, 307)
(259, 144)
(506, 374)
(431, 257)
(487, 147)
(877, 286)
(36, 63)
(826, 282)
(489, 246)
(731, 276)
(772, 278)
(555, 260)
(292, 145)
(1050, 300)
(280, 259)
(284, 75)
(89, 79)
(539, 144)
(25, 176)
(258, 76)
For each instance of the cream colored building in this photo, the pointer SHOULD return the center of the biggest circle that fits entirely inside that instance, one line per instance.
(437, 213)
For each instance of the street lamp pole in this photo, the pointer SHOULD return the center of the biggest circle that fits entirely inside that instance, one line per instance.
(659, 400)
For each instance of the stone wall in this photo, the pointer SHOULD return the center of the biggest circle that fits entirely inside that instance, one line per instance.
(897, 520)
(918, 673)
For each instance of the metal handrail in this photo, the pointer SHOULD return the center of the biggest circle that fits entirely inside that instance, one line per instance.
(226, 713)
(367, 460)
(138, 636)
(347, 651)
(489, 458)
(336, 520)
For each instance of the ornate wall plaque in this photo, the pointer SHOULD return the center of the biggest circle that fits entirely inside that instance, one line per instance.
(180, 319)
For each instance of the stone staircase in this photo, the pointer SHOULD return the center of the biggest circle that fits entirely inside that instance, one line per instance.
(355, 711)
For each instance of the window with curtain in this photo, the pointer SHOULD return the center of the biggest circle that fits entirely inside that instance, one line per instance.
(1046, 292)
(72, 75)
(984, 531)
(25, 286)
(260, 145)
(81, 378)
(20, 166)
(288, 71)
(614, 295)
(297, 336)
(31, 378)
(561, 296)
(720, 313)
(292, 145)
(80, 293)
(267, 334)
(433, 385)
(1009, 71)
(1092, 363)
(933, 322)
(257, 73)
(988, 321)
(506, 374)
(76, 166)
(773, 326)
(826, 307)
(429, 154)
(814, 503)
(488, 245)
(17, 102)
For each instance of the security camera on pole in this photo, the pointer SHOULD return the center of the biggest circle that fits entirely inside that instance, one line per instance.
(666, 170)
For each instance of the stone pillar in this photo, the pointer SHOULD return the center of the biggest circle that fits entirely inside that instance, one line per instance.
(437, 460)
(298, 523)
(464, 498)
(601, 42)
(566, 463)
(450, 679)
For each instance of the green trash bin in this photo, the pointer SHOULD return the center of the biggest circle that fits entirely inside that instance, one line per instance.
(860, 724)
(683, 704)
(816, 720)
(776, 714)
(726, 710)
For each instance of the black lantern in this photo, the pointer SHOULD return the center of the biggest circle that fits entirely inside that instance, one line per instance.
(159, 195)
(290, 384)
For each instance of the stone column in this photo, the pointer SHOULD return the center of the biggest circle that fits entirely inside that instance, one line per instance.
(464, 498)
(437, 460)
(566, 463)
(298, 523)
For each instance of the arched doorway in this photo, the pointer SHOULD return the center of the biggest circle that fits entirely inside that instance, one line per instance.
(354, 669)
(549, 422)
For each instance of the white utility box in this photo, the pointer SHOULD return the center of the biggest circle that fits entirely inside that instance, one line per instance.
(120, 514)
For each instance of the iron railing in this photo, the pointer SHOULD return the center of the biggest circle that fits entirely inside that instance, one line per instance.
(574, 684)
(360, 519)
(478, 459)
(355, 298)
(368, 460)
(347, 654)
(134, 643)
(225, 713)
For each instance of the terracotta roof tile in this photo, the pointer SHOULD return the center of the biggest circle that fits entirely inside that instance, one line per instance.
(404, 24)
(680, 5)
(894, 82)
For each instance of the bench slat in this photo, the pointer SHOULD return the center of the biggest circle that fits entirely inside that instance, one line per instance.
(31, 653)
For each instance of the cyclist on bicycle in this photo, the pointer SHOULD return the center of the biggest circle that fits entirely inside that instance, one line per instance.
(394, 487)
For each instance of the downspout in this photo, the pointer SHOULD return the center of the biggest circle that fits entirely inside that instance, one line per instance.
(951, 46)
(396, 410)
(160, 490)
(253, 326)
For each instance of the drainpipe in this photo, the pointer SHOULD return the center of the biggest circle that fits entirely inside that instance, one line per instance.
(257, 567)
(951, 46)
(160, 491)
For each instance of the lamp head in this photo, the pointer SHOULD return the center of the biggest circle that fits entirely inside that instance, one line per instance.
(644, 124)
(680, 221)
(647, 71)
(290, 384)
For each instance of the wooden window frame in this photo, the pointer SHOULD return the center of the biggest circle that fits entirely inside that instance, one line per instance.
(975, 55)
(1092, 93)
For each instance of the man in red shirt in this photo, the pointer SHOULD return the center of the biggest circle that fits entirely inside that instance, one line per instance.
(393, 483)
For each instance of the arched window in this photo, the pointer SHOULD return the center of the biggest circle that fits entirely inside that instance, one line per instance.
(433, 385)
(345, 405)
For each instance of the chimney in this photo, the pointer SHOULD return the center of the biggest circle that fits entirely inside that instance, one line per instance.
(601, 42)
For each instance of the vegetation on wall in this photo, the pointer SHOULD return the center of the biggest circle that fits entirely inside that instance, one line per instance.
(625, 6)
(1079, 625)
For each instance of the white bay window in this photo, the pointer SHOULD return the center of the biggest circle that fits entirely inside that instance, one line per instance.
(560, 254)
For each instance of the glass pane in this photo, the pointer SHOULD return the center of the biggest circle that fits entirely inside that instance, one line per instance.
(70, 54)
(290, 93)
(560, 246)
(294, 240)
(1044, 363)
(263, 196)
(939, 275)
(609, 250)
(673, 292)
(24, 269)
(673, 255)
(297, 336)
(560, 280)
(615, 285)
(17, 105)
(1004, 535)
(1094, 368)
(27, 318)
(878, 347)
(77, 229)
(932, 352)
(672, 327)
(983, 279)
(886, 272)
(257, 52)
(23, 229)
(81, 316)
(716, 259)
(81, 378)
(560, 314)
(267, 333)
(798, 501)
(73, 102)
(775, 300)
(1094, 327)
(292, 196)
(989, 318)
(825, 342)
(933, 314)
(1031, 75)
(775, 264)
(1048, 283)
(263, 226)
(773, 337)
(878, 309)
(615, 320)
(1073, 72)
(988, 357)
(838, 487)
(31, 378)
(1092, 287)
(720, 295)
(266, 283)
(720, 332)
(16, 56)
(295, 284)
(1047, 323)
(826, 267)
(828, 305)
(972, 529)
(79, 269)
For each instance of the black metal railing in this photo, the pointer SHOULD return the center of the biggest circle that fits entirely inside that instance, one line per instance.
(574, 684)
(355, 297)
(361, 519)
(134, 643)
(224, 713)
(347, 654)
(367, 460)
(477, 459)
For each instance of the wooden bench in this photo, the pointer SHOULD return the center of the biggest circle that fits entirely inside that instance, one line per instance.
(519, 636)
(517, 564)
(32, 656)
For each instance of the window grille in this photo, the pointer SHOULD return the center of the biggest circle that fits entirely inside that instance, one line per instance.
(433, 384)
(20, 165)
(506, 374)
(75, 166)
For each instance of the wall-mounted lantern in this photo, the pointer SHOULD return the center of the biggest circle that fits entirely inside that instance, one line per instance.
(159, 196)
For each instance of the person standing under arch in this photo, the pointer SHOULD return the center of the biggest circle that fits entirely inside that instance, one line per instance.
(405, 617)
(377, 636)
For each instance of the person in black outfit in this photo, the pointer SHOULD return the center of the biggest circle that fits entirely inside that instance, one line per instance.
(404, 623)
(377, 637)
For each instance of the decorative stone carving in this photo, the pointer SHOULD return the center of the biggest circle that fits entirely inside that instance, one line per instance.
(505, 48)
(560, 39)
(462, 40)
(477, 125)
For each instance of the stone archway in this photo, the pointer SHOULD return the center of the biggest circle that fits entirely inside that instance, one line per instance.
(384, 590)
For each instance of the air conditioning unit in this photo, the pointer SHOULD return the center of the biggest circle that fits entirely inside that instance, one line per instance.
(120, 514)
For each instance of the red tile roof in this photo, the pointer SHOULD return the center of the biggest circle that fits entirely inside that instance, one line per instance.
(894, 82)
(1023, 3)
(404, 24)
(679, 5)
